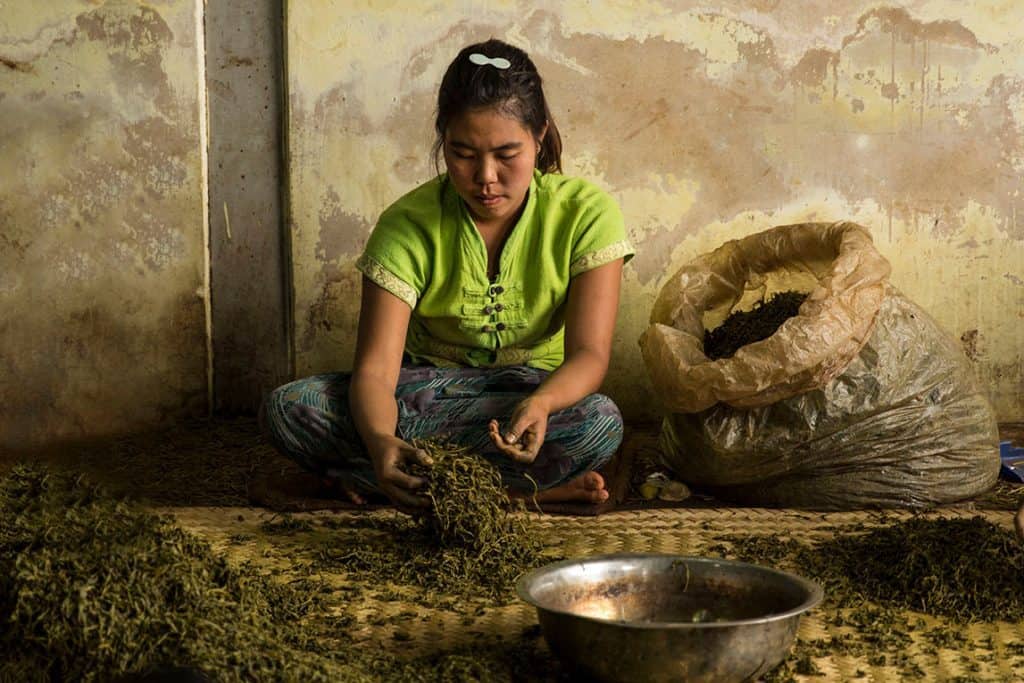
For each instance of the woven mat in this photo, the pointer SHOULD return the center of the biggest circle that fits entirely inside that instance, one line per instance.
(212, 464)
(991, 651)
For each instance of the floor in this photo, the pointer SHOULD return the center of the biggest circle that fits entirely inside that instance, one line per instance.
(230, 454)
(384, 618)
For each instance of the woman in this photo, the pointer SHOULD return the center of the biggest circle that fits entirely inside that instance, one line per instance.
(488, 308)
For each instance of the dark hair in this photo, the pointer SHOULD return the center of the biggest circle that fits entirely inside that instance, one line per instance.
(516, 91)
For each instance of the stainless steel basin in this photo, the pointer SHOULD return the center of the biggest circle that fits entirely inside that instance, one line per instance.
(655, 617)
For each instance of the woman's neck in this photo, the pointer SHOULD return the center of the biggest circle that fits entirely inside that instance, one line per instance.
(496, 228)
(495, 234)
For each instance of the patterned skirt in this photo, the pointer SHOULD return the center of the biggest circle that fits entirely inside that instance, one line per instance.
(308, 420)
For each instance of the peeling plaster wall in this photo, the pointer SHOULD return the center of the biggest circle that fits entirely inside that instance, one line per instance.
(707, 121)
(102, 214)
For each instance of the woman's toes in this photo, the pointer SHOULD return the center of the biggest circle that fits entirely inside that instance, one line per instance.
(587, 488)
(337, 489)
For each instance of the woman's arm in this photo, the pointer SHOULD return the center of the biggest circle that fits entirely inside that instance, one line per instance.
(589, 328)
(383, 322)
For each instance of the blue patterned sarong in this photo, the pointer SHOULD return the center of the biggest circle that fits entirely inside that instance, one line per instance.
(308, 420)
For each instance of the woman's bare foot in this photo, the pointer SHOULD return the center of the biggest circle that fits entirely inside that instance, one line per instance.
(586, 488)
(340, 490)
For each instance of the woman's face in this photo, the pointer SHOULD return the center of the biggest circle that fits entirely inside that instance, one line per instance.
(490, 159)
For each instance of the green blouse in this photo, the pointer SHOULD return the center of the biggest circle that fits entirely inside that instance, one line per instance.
(427, 251)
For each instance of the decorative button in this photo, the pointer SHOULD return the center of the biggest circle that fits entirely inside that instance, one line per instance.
(500, 326)
(488, 309)
(497, 289)
(498, 307)
(485, 328)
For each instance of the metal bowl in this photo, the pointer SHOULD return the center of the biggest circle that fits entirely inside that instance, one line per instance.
(654, 617)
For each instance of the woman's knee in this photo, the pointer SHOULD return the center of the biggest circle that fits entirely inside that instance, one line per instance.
(273, 416)
(605, 421)
(592, 433)
(305, 414)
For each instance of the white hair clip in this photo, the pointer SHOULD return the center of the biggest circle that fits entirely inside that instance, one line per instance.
(496, 62)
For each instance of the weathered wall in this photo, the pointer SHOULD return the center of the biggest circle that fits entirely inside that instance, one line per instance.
(708, 121)
(102, 248)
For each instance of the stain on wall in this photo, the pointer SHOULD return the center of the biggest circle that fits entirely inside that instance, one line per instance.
(707, 125)
(102, 254)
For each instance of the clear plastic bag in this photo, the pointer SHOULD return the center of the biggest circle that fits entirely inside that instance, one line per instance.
(861, 400)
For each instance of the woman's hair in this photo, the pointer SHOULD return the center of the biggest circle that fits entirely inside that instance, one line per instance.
(515, 91)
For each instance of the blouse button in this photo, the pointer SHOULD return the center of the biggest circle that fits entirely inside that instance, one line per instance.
(491, 309)
(497, 289)
(498, 307)
(485, 328)
(500, 326)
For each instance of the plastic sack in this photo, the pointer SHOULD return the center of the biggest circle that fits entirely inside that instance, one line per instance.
(861, 400)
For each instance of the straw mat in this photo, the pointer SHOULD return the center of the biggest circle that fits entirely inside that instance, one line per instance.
(202, 473)
(988, 652)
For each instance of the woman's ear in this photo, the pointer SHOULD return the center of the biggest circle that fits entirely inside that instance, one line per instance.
(540, 138)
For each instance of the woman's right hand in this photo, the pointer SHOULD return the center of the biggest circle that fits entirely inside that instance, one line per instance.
(390, 456)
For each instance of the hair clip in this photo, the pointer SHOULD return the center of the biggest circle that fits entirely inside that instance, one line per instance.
(496, 62)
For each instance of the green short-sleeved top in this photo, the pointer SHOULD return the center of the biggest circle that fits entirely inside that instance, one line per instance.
(427, 251)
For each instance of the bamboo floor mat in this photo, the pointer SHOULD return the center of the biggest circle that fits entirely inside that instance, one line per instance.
(378, 616)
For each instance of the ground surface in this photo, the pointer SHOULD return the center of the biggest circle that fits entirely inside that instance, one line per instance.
(381, 618)
(201, 474)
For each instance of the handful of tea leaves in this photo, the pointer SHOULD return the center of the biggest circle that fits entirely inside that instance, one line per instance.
(467, 544)
(468, 505)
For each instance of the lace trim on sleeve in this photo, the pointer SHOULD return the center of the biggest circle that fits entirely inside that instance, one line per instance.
(600, 257)
(383, 277)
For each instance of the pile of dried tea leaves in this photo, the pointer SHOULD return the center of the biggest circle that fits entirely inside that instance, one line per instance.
(746, 327)
(958, 570)
(963, 569)
(470, 543)
(93, 588)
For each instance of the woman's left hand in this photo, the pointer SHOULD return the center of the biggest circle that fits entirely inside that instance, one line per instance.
(525, 432)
